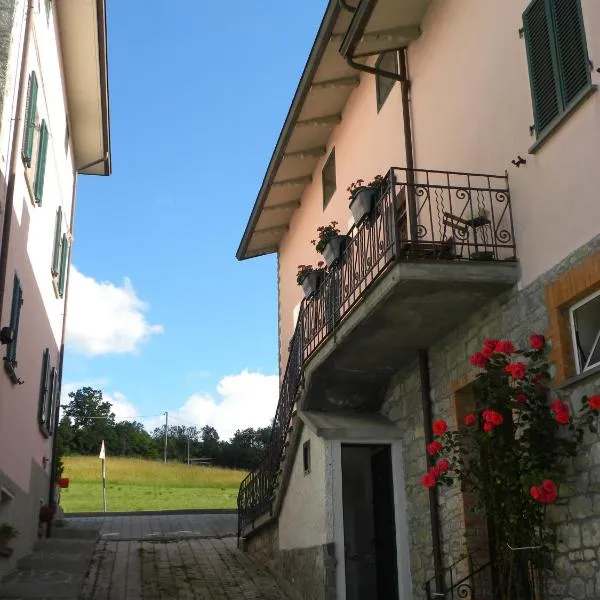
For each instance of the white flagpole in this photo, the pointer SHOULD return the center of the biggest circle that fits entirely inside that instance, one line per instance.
(102, 457)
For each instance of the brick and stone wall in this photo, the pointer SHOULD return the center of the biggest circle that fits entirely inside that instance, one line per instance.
(514, 315)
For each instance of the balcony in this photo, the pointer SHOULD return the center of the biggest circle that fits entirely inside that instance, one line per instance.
(437, 246)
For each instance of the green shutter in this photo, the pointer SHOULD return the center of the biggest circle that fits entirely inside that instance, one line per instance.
(543, 68)
(64, 253)
(571, 48)
(15, 317)
(40, 171)
(44, 391)
(53, 399)
(56, 248)
(30, 110)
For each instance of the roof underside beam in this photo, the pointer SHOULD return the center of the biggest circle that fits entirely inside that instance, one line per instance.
(404, 33)
(352, 81)
(316, 152)
(320, 121)
(291, 205)
(303, 180)
(273, 229)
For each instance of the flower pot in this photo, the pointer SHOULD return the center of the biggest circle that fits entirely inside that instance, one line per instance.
(311, 282)
(334, 248)
(63, 482)
(363, 200)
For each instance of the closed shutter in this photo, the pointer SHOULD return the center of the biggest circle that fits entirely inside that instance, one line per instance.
(40, 172)
(64, 254)
(15, 317)
(30, 111)
(56, 248)
(543, 68)
(44, 389)
(51, 404)
(571, 48)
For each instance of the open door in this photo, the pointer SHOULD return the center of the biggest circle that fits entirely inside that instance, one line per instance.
(370, 555)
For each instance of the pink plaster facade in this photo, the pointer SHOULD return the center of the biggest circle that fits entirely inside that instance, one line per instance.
(471, 110)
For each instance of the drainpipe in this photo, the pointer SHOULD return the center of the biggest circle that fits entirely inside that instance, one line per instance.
(54, 465)
(14, 154)
(433, 493)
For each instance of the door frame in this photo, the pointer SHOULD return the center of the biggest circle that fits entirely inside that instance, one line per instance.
(402, 548)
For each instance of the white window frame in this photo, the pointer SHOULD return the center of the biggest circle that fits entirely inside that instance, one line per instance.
(587, 366)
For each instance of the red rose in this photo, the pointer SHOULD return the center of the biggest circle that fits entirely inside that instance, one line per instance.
(440, 427)
(443, 465)
(535, 492)
(594, 402)
(478, 360)
(504, 347)
(494, 417)
(428, 480)
(521, 398)
(517, 370)
(434, 471)
(470, 420)
(536, 377)
(544, 493)
(487, 352)
(487, 426)
(537, 341)
(434, 448)
(489, 344)
(561, 412)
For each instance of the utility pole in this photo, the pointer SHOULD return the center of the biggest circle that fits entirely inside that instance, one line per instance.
(166, 430)
(188, 449)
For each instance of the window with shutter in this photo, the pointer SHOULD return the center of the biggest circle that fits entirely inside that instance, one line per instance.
(388, 61)
(64, 255)
(54, 396)
(56, 248)
(559, 68)
(15, 317)
(40, 171)
(30, 112)
(44, 399)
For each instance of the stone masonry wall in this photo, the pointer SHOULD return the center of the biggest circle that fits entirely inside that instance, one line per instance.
(514, 315)
(309, 573)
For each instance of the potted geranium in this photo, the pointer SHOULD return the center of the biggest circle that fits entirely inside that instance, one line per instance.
(330, 242)
(62, 482)
(364, 197)
(309, 278)
(7, 533)
(46, 513)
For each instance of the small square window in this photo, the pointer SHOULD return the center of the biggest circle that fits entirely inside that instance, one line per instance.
(387, 61)
(306, 456)
(585, 329)
(328, 178)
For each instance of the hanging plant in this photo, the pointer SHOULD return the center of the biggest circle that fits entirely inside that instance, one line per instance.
(512, 452)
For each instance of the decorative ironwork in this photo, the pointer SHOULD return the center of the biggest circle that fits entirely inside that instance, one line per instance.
(420, 215)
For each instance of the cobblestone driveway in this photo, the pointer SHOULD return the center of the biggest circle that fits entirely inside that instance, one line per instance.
(177, 564)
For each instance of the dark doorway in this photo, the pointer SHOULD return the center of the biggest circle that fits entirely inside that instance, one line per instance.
(369, 522)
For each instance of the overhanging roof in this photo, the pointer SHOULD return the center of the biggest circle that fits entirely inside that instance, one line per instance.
(325, 86)
(82, 32)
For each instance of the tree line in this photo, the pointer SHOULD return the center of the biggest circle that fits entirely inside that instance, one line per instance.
(88, 419)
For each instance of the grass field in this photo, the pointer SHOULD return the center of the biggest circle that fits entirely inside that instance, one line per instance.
(134, 484)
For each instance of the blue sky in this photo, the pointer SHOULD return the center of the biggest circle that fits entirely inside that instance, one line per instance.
(198, 95)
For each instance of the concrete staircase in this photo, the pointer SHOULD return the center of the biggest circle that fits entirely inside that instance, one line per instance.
(55, 569)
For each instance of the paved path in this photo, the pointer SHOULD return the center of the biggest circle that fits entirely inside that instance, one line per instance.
(173, 557)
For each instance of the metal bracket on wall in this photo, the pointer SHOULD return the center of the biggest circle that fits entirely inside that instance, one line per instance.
(343, 4)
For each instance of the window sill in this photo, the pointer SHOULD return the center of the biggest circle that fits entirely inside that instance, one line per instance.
(545, 135)
(9, 367)
(579, 378)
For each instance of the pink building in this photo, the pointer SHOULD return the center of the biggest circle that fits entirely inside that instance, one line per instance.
(54, 124)
(482, 118)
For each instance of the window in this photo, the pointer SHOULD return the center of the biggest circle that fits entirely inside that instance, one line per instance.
(64, 255)
(30, 116)
(306, 456)
(388, 61)
(48, 4)
(45, 394)
(60, 256)
(585, 329)
(40, 171)
(56, 248)
(54, 399)
(328, 178)
(10, 360)
(559, 68)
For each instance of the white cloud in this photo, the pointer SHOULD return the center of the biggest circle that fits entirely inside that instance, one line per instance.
(103, 318)
(121, 407)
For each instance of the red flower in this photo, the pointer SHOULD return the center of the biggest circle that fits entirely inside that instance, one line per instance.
(487, 426)
(561, 411)
(440, 427)
(493, 417)
(443, 465)
(517, 370)
(486, 352)
(537, 341)
(521, 398)
(470, 420)
(434, 448)
(428, 480)
(478, 360)
(535, 492)
(434, 471)
(504, 347)
(490, 344)
(544, 493)
(536, 377)
(594, 402)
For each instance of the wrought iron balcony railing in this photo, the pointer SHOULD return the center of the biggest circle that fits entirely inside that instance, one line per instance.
(420, 215)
